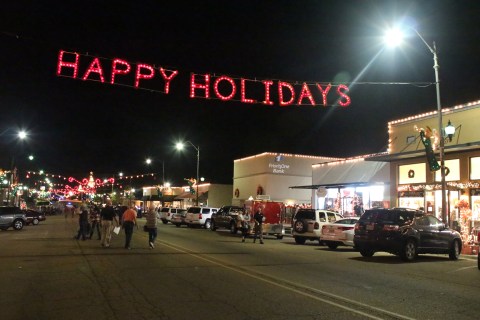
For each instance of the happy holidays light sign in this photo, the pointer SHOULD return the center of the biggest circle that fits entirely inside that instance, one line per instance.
(205, 86)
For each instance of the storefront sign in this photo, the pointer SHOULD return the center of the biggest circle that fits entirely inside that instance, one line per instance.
(205, 86)
(278, 167)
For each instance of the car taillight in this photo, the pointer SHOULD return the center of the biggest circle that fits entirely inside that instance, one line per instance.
(390, 227)
(168, 214)
(199, 216)
(316, 226)
(324, 227)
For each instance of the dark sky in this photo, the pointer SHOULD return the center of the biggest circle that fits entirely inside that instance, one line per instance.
(80, 126)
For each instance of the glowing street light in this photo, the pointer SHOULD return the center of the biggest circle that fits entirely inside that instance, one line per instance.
(22, 134)
(180, 146)
(394, 37)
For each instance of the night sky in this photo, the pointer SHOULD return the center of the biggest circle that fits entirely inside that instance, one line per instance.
(80, 126)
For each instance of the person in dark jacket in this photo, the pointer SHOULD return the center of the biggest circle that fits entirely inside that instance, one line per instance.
(107, 216)
(258, 218)
(82, 222)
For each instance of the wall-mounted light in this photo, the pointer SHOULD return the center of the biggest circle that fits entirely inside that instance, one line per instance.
(450, 130)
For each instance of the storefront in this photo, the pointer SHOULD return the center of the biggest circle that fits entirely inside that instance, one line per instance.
(350, 186)
(416, 184)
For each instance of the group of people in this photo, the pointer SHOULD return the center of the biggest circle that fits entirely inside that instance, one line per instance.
(243, 224)
(104, 221)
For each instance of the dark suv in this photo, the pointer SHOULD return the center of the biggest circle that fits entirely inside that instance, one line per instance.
(404, 232)
(12, 217)
(225, 217)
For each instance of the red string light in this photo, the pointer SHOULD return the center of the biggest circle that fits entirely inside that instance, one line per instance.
(119, 71)
(287, 85)
(217, 92)
(94, 67)
(305, 93)
(243, 98)
(68, 66)
(62, 63)
(205, 86)
(139, 75)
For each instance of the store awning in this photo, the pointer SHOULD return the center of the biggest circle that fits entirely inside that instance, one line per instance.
(355, 173)
(185, 195)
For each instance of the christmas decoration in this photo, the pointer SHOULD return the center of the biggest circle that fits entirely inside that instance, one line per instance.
(426, 135)
(142, 76)
(191, 183)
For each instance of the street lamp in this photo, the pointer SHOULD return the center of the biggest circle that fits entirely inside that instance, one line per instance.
(393, 37)
(148, 161)
(180, 146)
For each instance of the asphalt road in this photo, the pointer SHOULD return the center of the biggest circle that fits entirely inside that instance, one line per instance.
(200, 274)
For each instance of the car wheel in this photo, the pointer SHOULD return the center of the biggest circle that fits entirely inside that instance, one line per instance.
(409, 251)
(279, 237)
(177, 225)
(164, 221)
(366, 252)
(455, 250)
(478, 260)
(18, 224)
(207, 224)
(35, 221)
(300, 240)
(233, 228)
(212, 226)
(300, 226)
(332, 245)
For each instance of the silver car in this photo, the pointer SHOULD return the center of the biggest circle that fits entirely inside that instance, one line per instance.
(12, 217)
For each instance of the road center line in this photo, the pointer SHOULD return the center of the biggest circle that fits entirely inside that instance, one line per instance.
(292, 286)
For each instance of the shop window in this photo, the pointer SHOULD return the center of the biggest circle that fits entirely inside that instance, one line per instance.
(475, 168)
(452, 171)
(412, 173)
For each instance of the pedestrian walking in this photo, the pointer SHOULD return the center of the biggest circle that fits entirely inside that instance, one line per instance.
(95, 222)
(129, 220)
(151, 226)
(82, 222)
(107, 216)
(258, 218)
(243, 224)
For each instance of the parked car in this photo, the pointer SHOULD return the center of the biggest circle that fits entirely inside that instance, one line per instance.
(178, 219)
(307, 224)
(167, 212)
(404, 232)
(34, 216)
(225, 217)
(12, 217)
(199, 216)
(339, 233)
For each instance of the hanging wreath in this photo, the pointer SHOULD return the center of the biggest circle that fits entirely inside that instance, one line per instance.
(259, 190)
(237, 193)
(411, 173)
